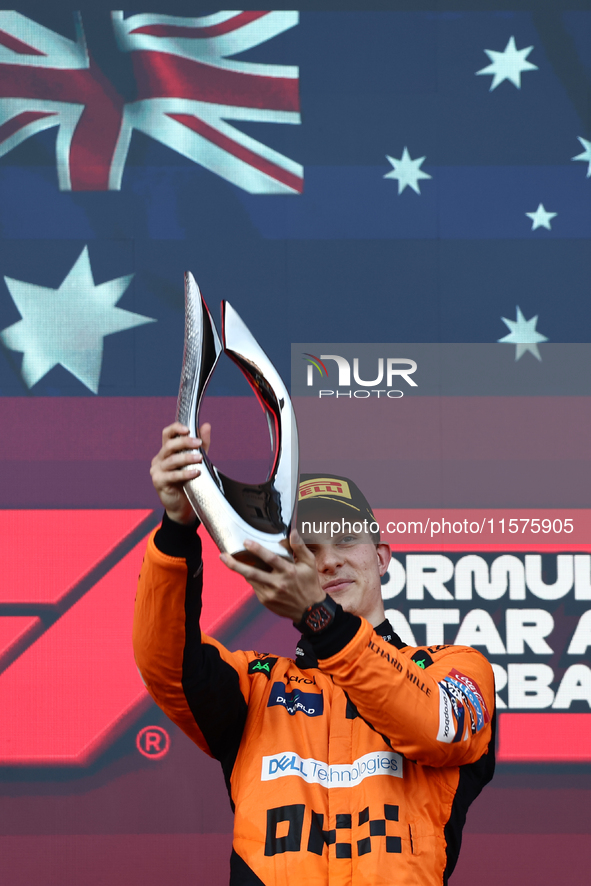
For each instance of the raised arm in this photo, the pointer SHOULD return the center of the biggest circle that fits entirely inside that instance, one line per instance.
(437, 712)
(198, 683)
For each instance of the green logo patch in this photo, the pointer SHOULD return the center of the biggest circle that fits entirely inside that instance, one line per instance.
(262, 666)
(422, 658)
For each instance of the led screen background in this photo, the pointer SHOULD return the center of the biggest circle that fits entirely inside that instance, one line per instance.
(124, 162)
(487, 462)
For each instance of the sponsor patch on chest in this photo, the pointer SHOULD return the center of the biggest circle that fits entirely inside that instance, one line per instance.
(295, 701)
(335, 775)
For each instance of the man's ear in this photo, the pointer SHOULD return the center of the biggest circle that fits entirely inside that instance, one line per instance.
(384, 553)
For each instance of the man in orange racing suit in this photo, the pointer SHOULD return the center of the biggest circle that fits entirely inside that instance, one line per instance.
(353, 763)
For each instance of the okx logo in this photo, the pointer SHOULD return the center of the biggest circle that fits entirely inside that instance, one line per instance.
(309, 703)
(351, 835)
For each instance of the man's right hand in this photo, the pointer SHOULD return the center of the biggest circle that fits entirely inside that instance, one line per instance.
(174, 465)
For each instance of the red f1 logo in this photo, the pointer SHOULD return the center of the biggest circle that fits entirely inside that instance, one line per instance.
(68, 681)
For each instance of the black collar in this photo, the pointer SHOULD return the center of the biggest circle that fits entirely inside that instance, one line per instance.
(306, 657)
(386, 631)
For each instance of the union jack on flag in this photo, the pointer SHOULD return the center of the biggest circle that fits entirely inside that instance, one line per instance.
(188, 87)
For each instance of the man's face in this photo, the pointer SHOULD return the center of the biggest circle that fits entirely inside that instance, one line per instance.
(349, 564)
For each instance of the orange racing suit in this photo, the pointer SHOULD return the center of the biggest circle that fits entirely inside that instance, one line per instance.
(353, 764)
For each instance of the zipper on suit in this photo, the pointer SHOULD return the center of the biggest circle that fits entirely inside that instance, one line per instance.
(412, 848)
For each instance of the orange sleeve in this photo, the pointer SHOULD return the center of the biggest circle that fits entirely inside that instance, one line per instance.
(437, 716)
(187, 673)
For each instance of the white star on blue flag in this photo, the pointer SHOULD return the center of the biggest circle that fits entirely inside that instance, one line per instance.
(586, 154)
(508, 65)
(541, 218)
(523, 334)
(407, 171)
(67, 325)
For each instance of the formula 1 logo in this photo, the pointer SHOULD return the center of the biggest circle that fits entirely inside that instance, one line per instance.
(69, 686)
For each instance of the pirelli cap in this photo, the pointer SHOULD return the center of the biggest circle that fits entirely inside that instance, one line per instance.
(340, 492)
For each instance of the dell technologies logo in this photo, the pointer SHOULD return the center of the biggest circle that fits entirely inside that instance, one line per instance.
(389, 371)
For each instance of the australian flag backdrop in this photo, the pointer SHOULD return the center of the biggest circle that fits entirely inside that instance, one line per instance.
(411, 172)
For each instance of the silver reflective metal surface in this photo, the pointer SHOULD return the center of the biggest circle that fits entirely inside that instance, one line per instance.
(232, 511)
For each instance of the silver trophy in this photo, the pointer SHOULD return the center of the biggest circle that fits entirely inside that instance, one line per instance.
(232, 511)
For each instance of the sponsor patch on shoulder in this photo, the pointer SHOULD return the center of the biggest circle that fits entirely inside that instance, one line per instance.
(459, 695)
(447, 726)
(422, 658)
(262, 666)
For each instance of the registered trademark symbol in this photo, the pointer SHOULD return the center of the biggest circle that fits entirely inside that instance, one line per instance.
(153, 742)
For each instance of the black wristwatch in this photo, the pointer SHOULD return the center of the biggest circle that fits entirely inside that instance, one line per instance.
(318, 617)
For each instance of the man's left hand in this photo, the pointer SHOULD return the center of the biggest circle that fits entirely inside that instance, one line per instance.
(289, 588)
